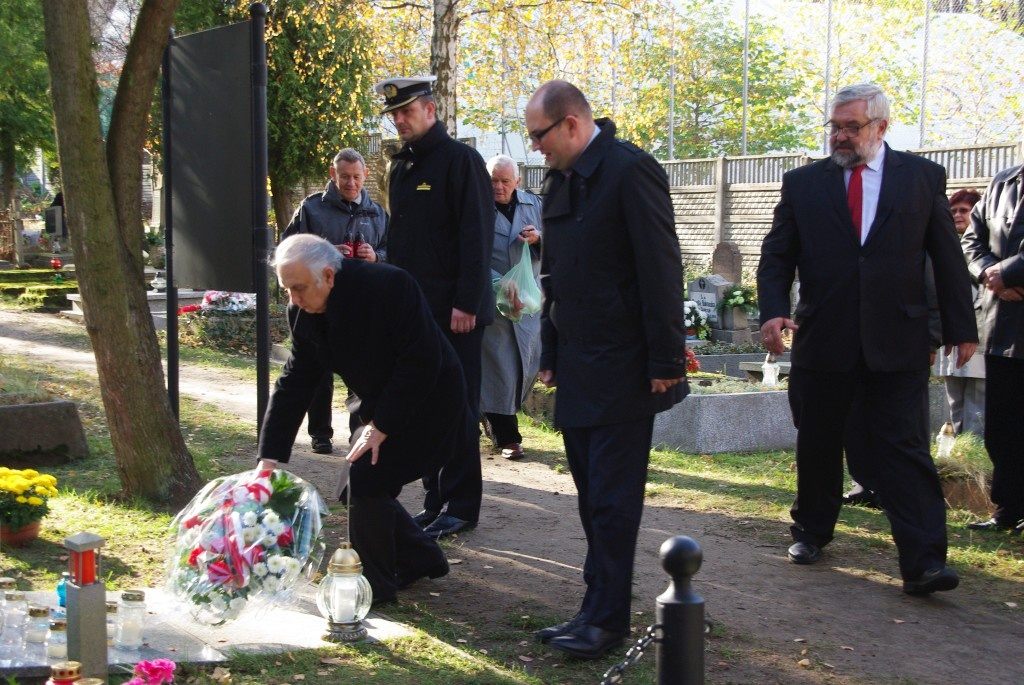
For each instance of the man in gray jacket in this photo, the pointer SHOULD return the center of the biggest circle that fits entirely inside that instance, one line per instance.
(992, 244)
(345, 215)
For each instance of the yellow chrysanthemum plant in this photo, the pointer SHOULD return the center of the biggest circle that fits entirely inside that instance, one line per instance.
(24, 495)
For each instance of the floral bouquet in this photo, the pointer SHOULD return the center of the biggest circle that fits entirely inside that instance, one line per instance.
(244, 540)
(694, 319)
(739, 296)
(23, 496)
(692, 364)
(155, 672)
(222, 301)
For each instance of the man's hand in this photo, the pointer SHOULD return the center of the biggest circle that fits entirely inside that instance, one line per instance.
(992, 278)
(345, 250)
(366, 252)
(964, 352)
(1014, 294)
(663, 384)
(369, 440)
(547, 377)
(266, 465)
(462, 322)
(771, 333)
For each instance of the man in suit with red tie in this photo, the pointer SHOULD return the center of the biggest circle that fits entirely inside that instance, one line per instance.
(857, 227)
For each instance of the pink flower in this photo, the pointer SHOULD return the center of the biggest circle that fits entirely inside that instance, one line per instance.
(194, 556)
(154, 672)
(285, 538)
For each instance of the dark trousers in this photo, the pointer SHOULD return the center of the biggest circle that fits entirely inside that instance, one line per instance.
(504, 429)
(609, 467)
(457, 489)
(858, 445)
(895, 409)
(320, 411)
(1004, 435)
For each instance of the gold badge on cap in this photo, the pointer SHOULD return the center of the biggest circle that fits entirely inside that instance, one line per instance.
(390, 90)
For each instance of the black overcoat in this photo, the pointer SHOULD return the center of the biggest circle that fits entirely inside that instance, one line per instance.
(442, 223)
(613, 286)
(379, 336)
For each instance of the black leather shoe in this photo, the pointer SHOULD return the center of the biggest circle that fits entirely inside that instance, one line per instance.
(804, 553)
(424, 518)
(445, 524)
(438, 570)
(586, 641)
(992, 525)
(932, 580)
(545, 634)
(859, 497)
(322, 445)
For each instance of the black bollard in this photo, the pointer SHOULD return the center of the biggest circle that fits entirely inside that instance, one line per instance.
(680, 612)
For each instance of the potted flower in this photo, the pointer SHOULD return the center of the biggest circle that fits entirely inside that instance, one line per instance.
(23, 504)
(695, 321)
(736, 303)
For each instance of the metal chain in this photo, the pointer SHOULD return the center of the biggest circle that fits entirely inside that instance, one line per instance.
(613, 676)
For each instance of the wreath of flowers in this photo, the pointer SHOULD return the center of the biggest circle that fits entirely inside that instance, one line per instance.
(245, 539)
(223, 301)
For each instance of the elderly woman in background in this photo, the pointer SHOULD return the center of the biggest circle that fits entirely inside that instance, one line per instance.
(511, 350)
(965, 387)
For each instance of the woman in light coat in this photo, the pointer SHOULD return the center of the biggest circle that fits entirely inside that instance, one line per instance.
(511, 350)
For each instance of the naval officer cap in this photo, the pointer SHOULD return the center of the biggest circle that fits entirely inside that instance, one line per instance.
(399, 92)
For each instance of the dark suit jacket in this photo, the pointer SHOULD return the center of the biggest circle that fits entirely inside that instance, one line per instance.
(996, 236)
(613, 286)
(379, 336)
(865, 300)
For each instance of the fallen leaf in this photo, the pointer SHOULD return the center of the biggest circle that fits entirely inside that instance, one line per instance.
(323, 673)
(298, 676)
(525, 659)
(897, 621)
(800, 639)
(435, 594)
(486, 566)
(1012, 605)
(848, 649)
(483, 651)
(803, 652)
(806, 663)
(461, 641)
(828, 665)
(524, 643)
(333, 661)
(454, 561)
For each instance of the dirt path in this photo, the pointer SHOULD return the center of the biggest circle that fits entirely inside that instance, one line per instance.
(846, 614)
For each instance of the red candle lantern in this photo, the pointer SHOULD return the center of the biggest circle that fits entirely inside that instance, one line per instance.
(84, 561)
(56, 264)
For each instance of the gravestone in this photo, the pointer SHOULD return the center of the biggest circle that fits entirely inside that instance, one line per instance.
(707, 292)
(727, 261)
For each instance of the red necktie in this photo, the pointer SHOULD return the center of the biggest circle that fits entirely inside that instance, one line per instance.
(855, 197)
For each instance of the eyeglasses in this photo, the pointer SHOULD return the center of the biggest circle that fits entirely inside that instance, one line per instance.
(538, 136)
(850, 130)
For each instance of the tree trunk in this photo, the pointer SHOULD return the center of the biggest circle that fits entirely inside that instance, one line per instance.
(102, 194)
(6, 170)
(282, 201)
(444, 51)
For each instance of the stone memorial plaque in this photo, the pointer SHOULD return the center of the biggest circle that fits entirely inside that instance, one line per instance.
(707, 292)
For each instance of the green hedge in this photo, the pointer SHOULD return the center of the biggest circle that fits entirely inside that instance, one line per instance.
(235, 331)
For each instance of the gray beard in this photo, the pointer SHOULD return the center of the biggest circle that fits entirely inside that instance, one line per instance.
(846, 159)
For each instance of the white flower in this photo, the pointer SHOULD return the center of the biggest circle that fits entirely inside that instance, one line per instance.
(260, 569)
(271, 584)
(276, 564)
(271, 518)
(249, 518)
(237, 604)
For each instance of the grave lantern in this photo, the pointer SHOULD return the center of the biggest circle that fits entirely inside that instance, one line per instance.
(86, 605)
(945, 439)
(344, 596)
(770, 371)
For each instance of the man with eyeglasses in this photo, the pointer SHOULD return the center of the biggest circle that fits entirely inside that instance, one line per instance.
(858, 226)
(612, 339)
(441, 232)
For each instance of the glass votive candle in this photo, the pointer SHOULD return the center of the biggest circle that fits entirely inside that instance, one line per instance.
(57, 640)
(38, 624)
(65, 673)
(111, 622)
(131, 617)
